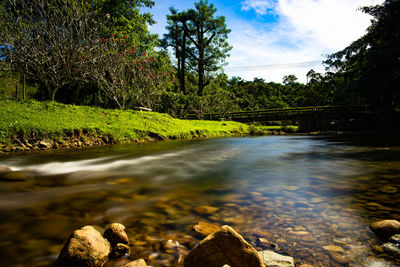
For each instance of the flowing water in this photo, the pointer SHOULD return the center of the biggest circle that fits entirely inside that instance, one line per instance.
(303, 195)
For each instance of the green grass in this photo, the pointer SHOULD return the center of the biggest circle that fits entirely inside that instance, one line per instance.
(29, 119)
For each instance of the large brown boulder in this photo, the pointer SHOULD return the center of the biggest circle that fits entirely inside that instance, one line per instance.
(115, 233)
(225, 246)
(84, 248)
(386, 228)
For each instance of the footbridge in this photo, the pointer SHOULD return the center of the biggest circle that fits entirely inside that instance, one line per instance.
(319, 118)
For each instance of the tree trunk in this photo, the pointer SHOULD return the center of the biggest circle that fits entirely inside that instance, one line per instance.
(201, 71)
(183, 62)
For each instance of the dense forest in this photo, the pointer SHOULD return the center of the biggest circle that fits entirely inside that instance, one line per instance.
(101, 53)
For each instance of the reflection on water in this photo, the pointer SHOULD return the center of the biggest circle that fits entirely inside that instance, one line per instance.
(301, 193)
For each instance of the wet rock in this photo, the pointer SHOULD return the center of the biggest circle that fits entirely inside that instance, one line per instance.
(391, 248)
(339, 258)
(377, 249)
(115, 233)
(117, 262)
(388, 189)
(45, 144)
(120, 250)
(273, 259)
(225, 246)
(334, 248)
(205, 229)
(85, 247)
(136, 263)
(4, 170)
(13, 176)
(205, 210)
(395, 239)
(386, 228)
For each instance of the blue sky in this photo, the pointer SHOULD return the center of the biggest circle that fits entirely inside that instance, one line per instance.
(274, 38)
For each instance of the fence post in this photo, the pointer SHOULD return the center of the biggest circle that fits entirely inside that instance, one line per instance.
(16, 90)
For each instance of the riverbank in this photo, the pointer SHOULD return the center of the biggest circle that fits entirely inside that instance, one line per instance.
(31, 125)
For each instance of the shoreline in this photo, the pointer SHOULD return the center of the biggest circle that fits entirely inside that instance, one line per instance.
(90, 141)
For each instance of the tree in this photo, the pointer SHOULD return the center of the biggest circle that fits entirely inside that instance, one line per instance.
(369, 68)
(124, 16)
(48, 41)
(206, 44)
(177, 39)
(127, 76)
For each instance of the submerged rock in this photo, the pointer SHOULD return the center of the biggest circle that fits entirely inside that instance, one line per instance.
(225, 246)
(136, 263)
(115, 233)
(120, 250)
(13, 176)
(273, 259)
(395, 239)
(205, 229)
(205, 210)
(339, 258)
(386, 228)
(334, 248)
(388, 189)
(392, 248)
(4, 169)
(85, 247)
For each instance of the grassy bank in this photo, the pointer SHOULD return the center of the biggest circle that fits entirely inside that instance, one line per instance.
(31, 121)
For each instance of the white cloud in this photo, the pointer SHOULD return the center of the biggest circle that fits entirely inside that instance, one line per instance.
(261, 7)
(306, 30)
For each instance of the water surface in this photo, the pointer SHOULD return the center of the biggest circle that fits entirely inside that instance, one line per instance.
(300, 193)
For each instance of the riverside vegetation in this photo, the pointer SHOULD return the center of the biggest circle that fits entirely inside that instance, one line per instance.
(28, 125)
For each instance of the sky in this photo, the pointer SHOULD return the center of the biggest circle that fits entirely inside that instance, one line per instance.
(274, 38)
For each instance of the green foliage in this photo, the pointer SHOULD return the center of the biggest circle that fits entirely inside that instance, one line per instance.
(124, 16)
(8, 82)
(54, 120)
(200, 38)
(368, 70)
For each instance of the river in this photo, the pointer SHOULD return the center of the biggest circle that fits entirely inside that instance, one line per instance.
(299, 193)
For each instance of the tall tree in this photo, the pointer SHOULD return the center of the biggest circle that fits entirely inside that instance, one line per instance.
(206, 44)
(177, 39)
(370, 67)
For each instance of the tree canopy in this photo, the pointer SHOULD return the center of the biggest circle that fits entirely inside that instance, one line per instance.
(368, 70)
(201, 37)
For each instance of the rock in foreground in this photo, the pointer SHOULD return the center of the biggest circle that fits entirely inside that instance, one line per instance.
(386, 228)
(85, 247)
(272, 259)
(115, 233)
(225, 246)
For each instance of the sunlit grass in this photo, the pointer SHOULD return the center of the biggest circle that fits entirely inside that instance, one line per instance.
(54, 120)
